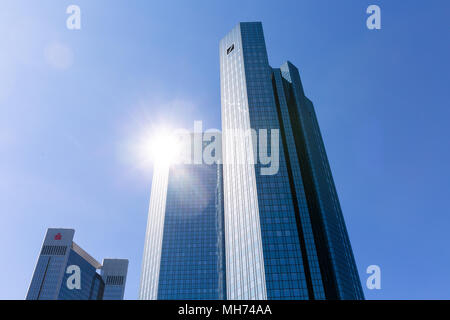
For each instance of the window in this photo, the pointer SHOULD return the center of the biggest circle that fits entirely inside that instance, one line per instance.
(53, 250)
(115, 280)
(230, 49)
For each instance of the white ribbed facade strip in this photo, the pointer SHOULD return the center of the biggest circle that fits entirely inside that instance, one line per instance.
(244, 253)
(154, 235)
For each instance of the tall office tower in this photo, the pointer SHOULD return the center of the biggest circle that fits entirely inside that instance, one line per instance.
(285, 234)
(184, 254)
(114, 275)
(51, 274)
(60, 262)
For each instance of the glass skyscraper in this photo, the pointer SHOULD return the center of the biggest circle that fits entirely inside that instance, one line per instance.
(238, 230)
(59, 254)
(285, 234)
(114, 275)
(184, 254)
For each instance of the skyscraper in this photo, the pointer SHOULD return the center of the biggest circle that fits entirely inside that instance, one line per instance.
(285, 234)
(114, 275)
(59, 261)
(272, 234)
(184, 254)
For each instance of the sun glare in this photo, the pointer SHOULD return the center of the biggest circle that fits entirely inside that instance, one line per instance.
(164, 148)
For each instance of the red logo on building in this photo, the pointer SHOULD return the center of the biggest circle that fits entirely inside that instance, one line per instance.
(58, 236)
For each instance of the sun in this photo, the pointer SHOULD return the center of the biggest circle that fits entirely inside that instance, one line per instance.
(164, 148)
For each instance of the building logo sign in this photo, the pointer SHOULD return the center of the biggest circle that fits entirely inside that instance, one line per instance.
(58, 236)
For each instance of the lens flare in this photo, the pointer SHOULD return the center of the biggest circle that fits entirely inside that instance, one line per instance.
(164, 148)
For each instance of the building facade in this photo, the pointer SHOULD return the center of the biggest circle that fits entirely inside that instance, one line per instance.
(59, 261)
(237, 230)
(114, 275)
(285, 234)
(184, 254)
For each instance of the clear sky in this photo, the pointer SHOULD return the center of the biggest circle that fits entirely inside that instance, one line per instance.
(74, 104)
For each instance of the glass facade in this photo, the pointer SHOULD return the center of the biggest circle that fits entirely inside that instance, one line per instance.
(114, 274)
(334, 249)
(189, 239)
(92, 284)
(192, 248)
(51, 265)
(281, 229)
(154, 235)
(47, 278)
(235, 231)
(244, 247)
(50, 276)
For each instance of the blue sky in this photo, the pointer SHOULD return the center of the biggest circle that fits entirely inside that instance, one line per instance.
(73, 104)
